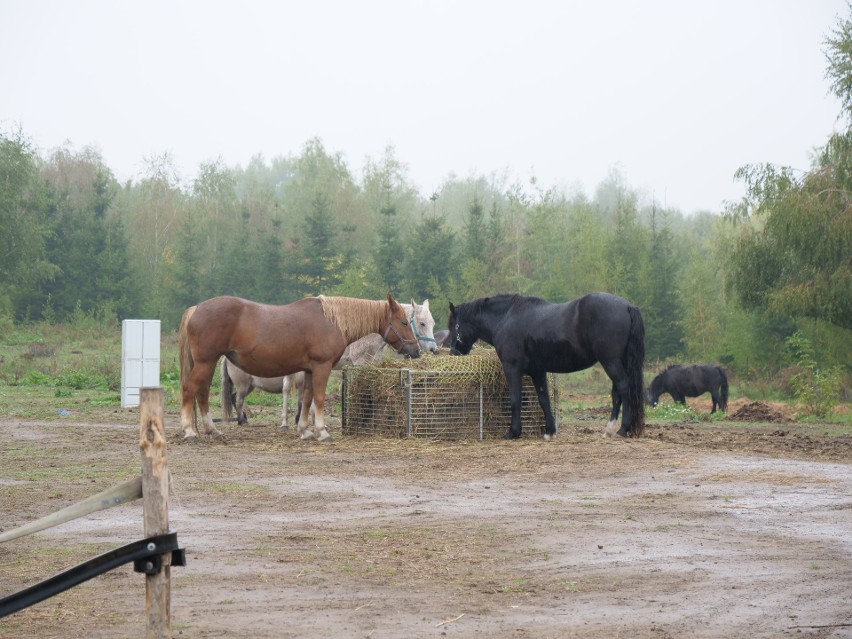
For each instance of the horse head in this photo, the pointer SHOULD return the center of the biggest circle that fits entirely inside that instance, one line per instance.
(654, 390)
(424, 326)
(651, 399)
(403, 338)
(462, 335)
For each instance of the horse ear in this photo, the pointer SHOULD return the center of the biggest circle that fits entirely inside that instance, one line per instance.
(452, 308)
(426, 304)
(413, 304)
(391, 301)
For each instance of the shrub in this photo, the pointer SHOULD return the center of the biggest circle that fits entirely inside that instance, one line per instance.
(816, 388)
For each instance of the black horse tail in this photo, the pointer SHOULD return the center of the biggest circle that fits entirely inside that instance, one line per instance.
(723, 395)
(228, 398)
(635, 362)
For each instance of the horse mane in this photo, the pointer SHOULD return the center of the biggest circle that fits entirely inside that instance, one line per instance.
(510, 300)
(354, 317)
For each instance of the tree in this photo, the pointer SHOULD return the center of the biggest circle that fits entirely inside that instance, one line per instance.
(627, 250)
(661, 307)
(23, 263)
(586, 243)
(430, 265)
(85, 241)
(838, 55)
(389, 251)
(322, 263)
(154, 209)
(794, 252)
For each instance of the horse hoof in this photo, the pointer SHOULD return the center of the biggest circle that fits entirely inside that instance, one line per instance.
(610, 429)
(190, 438)
(306, 435)
(547, 437)
(510, 435)
(324, 436)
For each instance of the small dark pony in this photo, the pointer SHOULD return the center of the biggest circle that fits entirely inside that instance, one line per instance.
(681, 382)
(534, 337)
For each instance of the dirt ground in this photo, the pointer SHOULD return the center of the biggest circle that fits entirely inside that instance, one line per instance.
(699, 529)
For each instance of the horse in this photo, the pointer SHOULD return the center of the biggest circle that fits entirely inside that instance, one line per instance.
(535, 337)
(264, 340)
(681, 382)
(442, 338)
(237, 384)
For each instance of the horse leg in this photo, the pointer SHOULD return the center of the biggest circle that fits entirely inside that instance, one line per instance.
(198, 387)
(513, 379)
(715, 398)
(306, 396)
(320, 382)
(620, 388)
(611, 427)
(190, 390)
(541, 389)
(240, 404)
(285, 399)
(187, 414)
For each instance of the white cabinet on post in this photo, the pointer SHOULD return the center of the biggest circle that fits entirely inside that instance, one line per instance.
(140, 358)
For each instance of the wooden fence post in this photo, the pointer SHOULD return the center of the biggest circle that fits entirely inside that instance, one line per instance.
(155, 508)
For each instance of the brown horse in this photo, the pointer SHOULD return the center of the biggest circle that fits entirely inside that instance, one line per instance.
(309, 335)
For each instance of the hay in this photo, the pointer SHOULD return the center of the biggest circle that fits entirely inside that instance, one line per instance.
(437, 397)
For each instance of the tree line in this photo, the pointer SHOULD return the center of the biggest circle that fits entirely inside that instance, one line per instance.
(730, 287)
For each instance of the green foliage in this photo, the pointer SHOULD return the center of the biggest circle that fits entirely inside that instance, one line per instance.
(24, 228)
(793, 255)
(75, 379)
(430, 267)
(816, 388)
(79, 250)
(673, 411)
(664, 334)
(839, 56)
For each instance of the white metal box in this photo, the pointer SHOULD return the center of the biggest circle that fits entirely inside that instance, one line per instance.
(140, 358)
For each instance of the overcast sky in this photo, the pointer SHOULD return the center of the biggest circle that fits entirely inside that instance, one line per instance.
(676, 95)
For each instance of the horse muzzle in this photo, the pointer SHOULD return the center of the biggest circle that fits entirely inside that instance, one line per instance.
(408, 349)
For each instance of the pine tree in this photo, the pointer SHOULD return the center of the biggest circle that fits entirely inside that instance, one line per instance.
(661, 306)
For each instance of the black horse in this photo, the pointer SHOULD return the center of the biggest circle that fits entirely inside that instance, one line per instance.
(534, 337)
(681, 382)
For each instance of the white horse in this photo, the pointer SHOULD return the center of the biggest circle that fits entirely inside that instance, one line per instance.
(237, 384)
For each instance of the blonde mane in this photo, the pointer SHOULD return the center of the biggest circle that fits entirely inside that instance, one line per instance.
(354, 317)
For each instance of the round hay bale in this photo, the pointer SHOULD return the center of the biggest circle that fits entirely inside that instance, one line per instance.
(441, 397)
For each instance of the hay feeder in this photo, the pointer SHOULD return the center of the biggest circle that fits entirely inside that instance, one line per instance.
(437, 397)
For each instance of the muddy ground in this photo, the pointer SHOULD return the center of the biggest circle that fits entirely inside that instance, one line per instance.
(698, 529)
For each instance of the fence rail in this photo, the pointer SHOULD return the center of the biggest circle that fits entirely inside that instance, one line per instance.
(152, 556)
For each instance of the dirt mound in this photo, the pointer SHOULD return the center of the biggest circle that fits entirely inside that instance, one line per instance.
(757, 412)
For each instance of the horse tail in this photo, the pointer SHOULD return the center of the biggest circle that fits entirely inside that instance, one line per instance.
(227, 391)
(635, 362)
(723, 399)
(186, 361)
